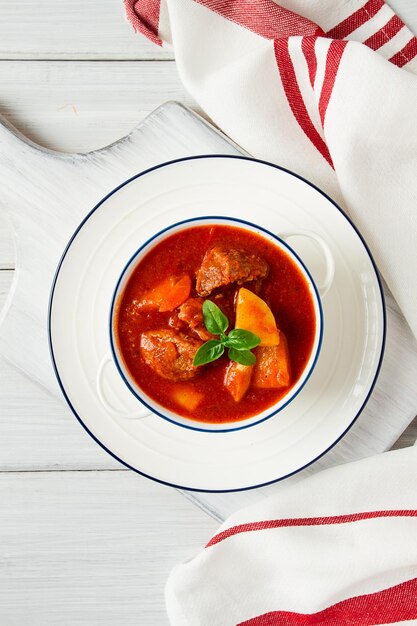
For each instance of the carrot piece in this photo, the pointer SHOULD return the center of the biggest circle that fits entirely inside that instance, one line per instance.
(168, 294)
(253, 313)
(187, 397)
(176, 295)
(237, 379)
(153, 298)
(272, 369)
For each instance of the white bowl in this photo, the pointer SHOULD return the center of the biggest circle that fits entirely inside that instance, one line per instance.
(172, 416)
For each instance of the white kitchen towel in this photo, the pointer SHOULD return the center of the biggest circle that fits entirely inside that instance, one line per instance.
(326, 88)
(336, 549)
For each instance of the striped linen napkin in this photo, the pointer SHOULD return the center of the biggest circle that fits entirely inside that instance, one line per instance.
(336, 549)
(328, 89)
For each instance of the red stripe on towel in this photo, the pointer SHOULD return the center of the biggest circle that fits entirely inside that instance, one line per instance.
(384, 34)
(309, 51)
(389, 606)
(406, 54)
(263, 17)
(334, 56)
(269, 20)
(307, 521)
(295, 98)
(358, 18)
(144, 17)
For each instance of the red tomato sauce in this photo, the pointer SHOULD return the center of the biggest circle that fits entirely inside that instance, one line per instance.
(284, 289)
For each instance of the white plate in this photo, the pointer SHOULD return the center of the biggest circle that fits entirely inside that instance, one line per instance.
(354, 323)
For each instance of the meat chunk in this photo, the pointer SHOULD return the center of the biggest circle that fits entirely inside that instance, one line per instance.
(222, 266)
(170, 354)
(191, 313)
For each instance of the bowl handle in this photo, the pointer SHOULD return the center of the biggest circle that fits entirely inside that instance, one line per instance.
(324, 287)
(100, 386)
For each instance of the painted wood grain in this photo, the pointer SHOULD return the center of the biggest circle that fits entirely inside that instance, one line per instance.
(7, 251)
(86, 29)
(7, 257)
(80, 29)
(39, 432)
(6, 278)
(91, 548)
(408, 438)
(82, 106)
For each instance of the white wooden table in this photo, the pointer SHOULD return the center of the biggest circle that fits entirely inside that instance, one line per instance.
(82, 540)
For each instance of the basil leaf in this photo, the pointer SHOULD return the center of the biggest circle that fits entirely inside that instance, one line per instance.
(244, 357)
(208, 352)
(214, 319)
(240, 339)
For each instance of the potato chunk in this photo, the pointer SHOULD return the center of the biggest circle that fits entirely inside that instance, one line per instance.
(252, 313)
(237, 379)
(272, 369)
(187, 397)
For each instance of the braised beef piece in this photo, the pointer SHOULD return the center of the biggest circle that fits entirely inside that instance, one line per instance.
(170, 354)
(222, 266)
(175, 322)
(191, 313)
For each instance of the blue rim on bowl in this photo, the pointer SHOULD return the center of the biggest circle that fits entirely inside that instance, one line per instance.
(170, 416)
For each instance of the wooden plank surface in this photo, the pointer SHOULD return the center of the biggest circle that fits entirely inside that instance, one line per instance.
(6, 278)
(75, 106)
(91, 548)
(39, 432)
(7, 257)
(80, 29)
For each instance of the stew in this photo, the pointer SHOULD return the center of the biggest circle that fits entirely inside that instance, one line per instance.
(182, 294)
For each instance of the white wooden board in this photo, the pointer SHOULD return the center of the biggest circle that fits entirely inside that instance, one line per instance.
(79, 106)
(49, 193)
(81, 29)
(80, 548)
(38, 431)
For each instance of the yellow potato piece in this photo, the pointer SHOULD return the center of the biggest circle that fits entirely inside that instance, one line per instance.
(186, 397)
(253, 314)
(272, 369)
(237, 379)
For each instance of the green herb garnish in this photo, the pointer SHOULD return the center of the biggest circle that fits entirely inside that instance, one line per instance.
(239, 342)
